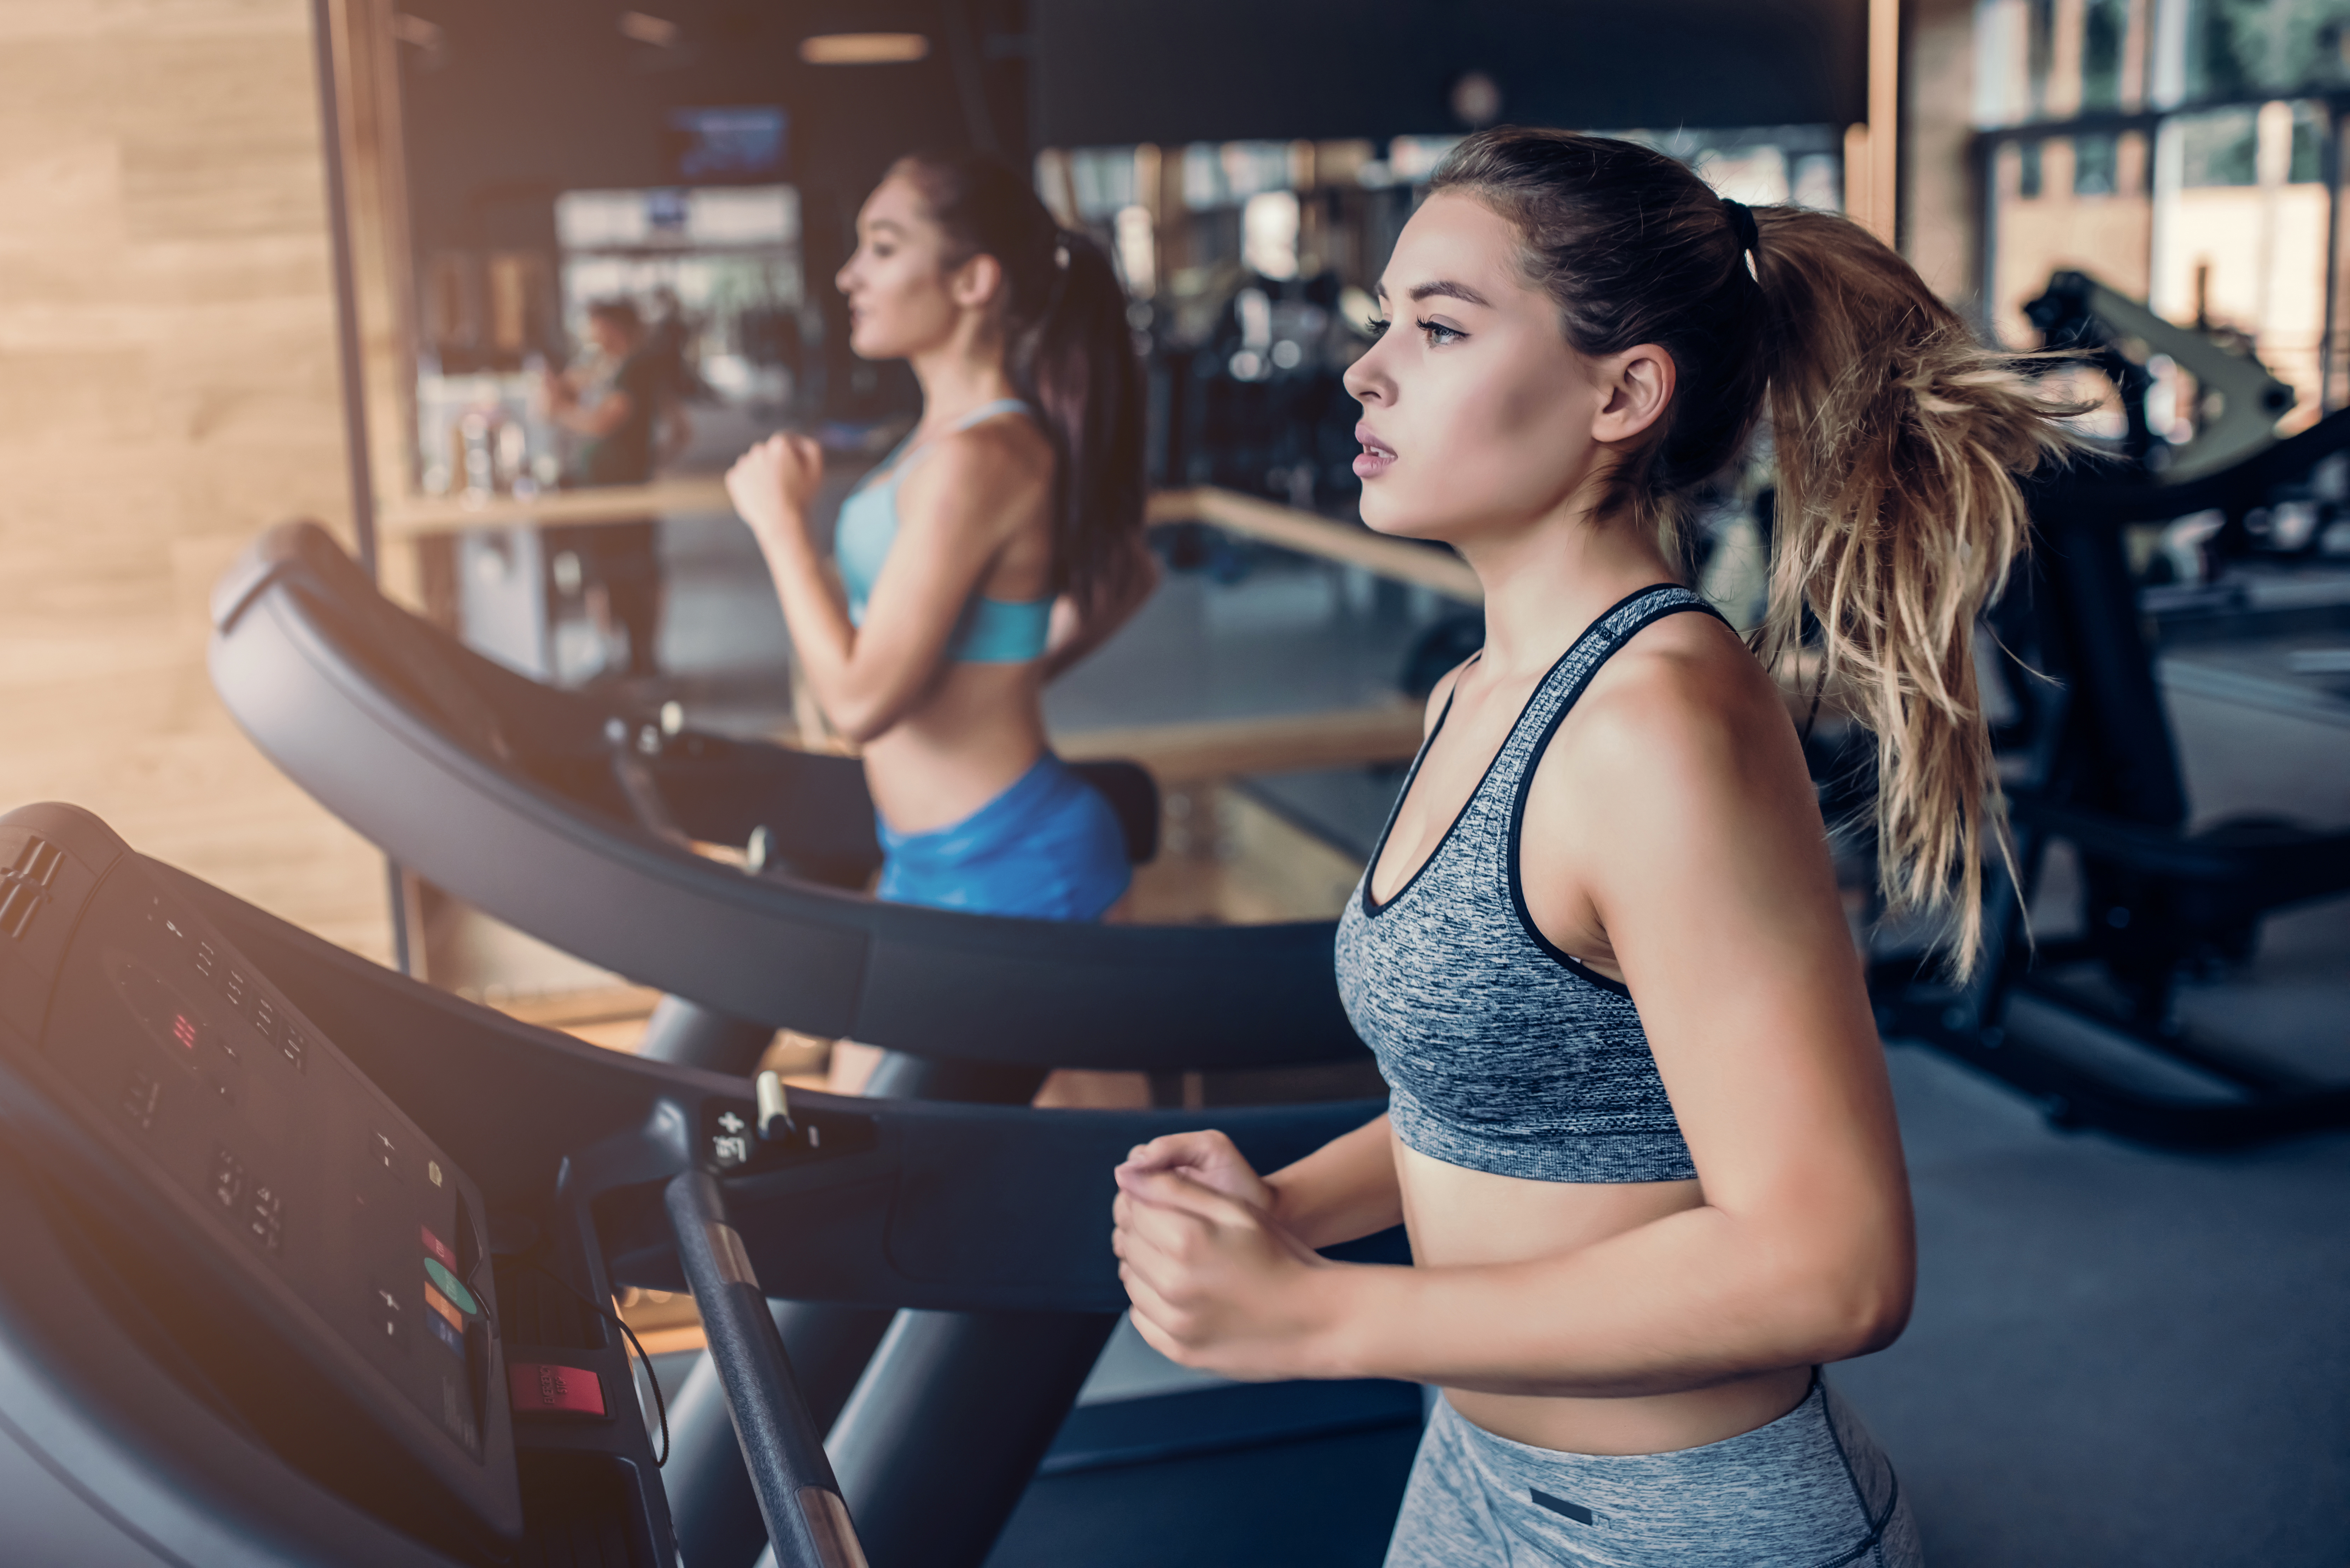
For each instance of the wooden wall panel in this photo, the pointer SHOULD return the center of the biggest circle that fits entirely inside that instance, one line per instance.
(168, 388)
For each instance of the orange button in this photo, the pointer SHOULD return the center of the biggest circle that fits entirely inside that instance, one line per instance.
(544, 1389)
(445, 1307)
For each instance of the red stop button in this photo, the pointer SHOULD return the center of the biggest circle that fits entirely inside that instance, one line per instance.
(543, 1389)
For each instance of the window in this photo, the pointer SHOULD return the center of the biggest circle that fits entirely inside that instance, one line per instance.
(2096, 165)
(2242, 49)
(2180, 156)
(2308, 161)
(2221, 148)
(2105, 30)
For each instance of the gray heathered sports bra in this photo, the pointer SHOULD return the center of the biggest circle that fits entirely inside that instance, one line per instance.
(1501, 1053)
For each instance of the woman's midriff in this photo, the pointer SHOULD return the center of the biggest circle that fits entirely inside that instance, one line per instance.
(1459, 1218)
(971, 738)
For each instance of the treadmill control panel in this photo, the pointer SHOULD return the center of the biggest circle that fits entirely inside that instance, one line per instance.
(334, 1222)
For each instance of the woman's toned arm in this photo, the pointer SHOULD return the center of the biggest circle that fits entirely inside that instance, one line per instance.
(1343, 1190)
(867, 678)
(1706, 867)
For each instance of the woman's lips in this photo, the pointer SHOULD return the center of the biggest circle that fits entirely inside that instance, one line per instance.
(1375, 458)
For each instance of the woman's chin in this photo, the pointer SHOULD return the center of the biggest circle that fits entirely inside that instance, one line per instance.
(869, 342)
(1383, 512)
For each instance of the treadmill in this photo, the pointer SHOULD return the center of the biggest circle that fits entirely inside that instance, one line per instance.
(574, 821)
(308, 1260)
(577, 823)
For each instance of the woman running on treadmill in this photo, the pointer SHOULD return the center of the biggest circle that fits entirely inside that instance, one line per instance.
(1639, 1126)
(999, 544)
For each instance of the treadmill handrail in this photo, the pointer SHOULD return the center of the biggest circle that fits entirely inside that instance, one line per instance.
(807, 1522)
(771, 949)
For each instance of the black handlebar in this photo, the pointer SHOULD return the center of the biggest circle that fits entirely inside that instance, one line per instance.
(807, 1523)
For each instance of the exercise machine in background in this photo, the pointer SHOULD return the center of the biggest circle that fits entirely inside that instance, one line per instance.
(2091, 764)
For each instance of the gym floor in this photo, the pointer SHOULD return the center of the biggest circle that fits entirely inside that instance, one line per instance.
(2118, 1356)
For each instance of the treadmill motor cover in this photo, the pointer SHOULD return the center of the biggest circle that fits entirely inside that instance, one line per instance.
(308, 1210)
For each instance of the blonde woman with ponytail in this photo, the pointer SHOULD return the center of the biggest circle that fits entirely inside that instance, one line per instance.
(1639, 1127)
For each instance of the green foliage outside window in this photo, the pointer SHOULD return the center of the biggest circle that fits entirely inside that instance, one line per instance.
(2239, 48)
(2105, 26)
(2221, 148)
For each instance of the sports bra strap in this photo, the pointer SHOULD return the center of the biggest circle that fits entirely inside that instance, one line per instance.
(909, 451)
(986, 412)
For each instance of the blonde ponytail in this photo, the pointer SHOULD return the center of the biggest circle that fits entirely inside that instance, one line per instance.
(1898, 439)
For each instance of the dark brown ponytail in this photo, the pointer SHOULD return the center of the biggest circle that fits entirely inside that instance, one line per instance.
(1071, 353)
(1897, 437)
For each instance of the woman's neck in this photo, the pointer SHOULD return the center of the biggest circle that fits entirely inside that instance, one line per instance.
(1548, 579)
(964, 373)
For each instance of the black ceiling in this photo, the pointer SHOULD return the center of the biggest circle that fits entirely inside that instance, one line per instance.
(528, 97)
(1108, 72)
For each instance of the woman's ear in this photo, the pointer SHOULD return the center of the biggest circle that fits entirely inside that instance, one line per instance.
(976, 283)
(1636, 388)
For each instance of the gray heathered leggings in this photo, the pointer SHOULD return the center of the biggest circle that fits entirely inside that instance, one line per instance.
(1812, 1490)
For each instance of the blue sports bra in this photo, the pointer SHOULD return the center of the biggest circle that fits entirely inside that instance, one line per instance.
(990, 632)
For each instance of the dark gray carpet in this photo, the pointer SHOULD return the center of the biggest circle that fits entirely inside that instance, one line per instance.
(2118, 1357)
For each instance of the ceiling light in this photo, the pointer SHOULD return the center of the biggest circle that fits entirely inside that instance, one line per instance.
(658, 31)
(863, 49)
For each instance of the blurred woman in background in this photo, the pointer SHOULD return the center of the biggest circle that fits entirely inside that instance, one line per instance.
(999, 544)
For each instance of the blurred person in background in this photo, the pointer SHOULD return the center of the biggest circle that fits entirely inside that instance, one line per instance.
(622, 405)
(998, 544)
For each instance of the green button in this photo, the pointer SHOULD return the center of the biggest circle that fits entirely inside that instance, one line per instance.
(456, 1292)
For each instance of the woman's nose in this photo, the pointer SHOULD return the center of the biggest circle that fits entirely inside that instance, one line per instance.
(1363, 381)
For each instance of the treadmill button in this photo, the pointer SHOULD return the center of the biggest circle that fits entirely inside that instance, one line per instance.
(141, 1096)
(294, 1049)
(451, 1287)
(264, 1219)
(437, 1247)
(538, 1389)
(435, 1301)
(451, 1339)
(207, 960)
(228, 1179)
(391, 1321)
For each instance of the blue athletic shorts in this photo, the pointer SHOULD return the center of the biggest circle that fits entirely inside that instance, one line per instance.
(1049, 847)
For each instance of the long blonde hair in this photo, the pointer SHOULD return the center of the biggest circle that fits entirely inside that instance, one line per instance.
(1898, 439)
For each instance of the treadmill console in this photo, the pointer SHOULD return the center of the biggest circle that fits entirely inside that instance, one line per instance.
(286, 1204)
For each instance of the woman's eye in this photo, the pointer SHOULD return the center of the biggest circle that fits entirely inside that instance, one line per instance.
(1439, 334)
(1377, 328)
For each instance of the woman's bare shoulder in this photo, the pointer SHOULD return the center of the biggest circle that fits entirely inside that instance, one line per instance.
(1684, 697)
(989, 477)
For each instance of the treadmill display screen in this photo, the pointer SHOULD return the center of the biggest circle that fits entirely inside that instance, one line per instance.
(315, 1179)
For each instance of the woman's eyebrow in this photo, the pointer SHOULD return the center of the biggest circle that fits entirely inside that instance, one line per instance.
(1460, 291)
